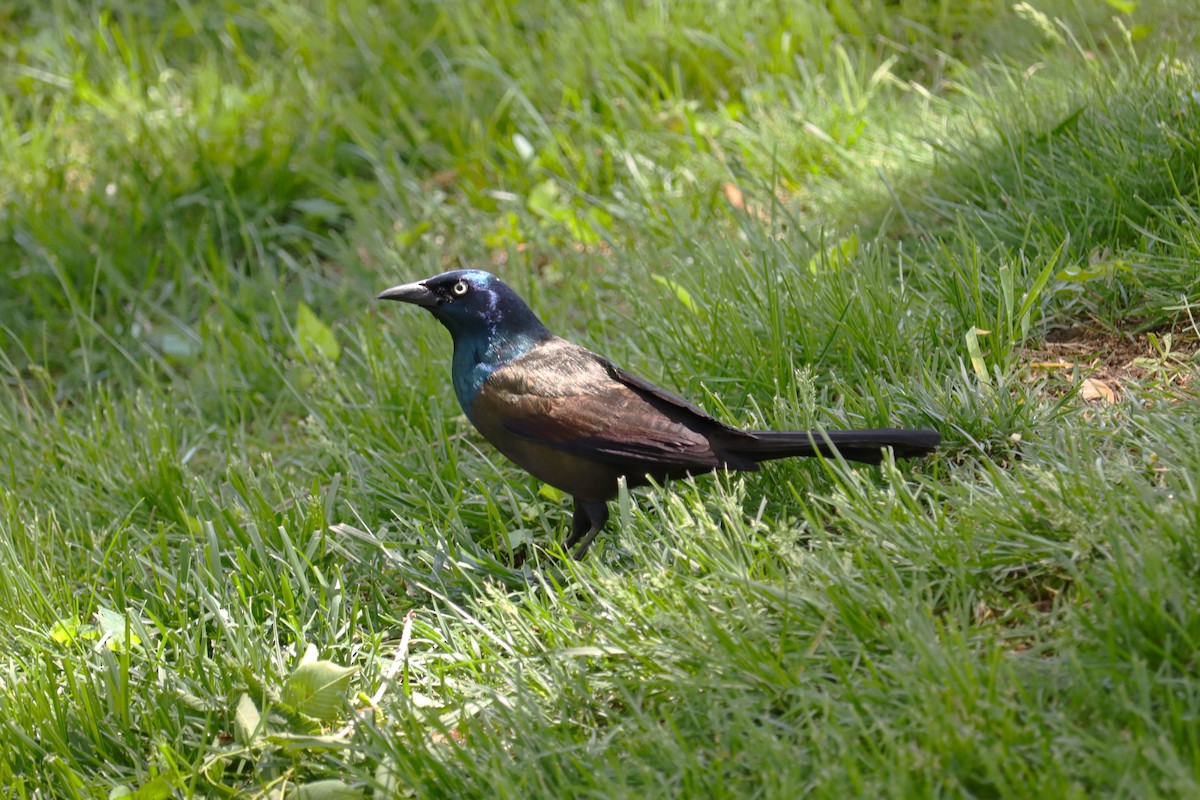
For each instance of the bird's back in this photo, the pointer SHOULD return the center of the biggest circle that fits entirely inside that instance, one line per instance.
(576, 421)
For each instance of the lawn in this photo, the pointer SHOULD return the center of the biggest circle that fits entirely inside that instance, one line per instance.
(250, 546)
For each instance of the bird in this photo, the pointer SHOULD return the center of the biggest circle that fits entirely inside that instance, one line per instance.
(577, 421)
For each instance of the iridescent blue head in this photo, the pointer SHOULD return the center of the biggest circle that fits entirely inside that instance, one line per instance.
(489, 322)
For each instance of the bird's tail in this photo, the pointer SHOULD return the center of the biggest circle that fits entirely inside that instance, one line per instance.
(865, 445)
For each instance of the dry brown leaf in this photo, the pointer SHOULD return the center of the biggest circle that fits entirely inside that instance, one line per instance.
(453, 736)
(1092, 389)
(734, 195)
(445, 177)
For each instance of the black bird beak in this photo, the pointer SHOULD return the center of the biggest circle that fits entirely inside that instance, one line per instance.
(414, 293)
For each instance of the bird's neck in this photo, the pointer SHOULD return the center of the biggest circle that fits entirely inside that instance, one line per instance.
(477, 357)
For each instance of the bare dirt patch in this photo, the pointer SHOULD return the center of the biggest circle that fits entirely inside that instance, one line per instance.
(1102, 365)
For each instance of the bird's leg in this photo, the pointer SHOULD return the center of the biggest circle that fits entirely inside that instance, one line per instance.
(580, 523)
(587, 521)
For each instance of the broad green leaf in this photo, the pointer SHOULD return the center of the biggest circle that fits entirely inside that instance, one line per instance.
(581, 229)
(836, 256)
(320, 208)
(407, 237)
(550, 493)
(505, 231)
(1124, 6)
(221, 754)
(246, 720)
(976, 355)
(681, 294)
(112, 627)
(315, 337)
(317, 689)
(332, 789)
(309, 655)
(543, 200)
(68, 629)
(518, 538)
(847, 17)
(156, 789)
(296, 742)
(388, 777)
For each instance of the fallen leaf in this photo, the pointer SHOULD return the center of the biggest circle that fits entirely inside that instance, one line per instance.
(316, 339)
(1092, 389)
(453, 735)
(734, 195)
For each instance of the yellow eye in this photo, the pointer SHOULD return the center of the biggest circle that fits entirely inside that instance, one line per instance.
(460, 288)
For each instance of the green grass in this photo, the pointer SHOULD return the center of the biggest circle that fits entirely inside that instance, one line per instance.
(228, 472)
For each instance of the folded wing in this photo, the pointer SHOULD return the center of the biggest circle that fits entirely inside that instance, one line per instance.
(571, 399)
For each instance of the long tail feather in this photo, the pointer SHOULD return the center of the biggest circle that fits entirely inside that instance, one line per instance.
(865, 445)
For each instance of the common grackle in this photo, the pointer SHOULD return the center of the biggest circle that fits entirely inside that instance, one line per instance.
(579, 422)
